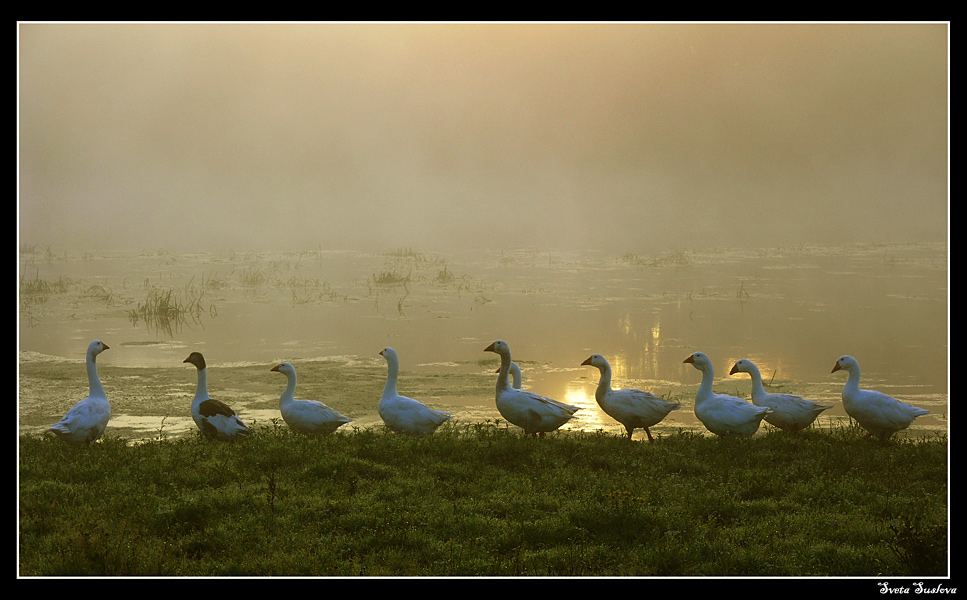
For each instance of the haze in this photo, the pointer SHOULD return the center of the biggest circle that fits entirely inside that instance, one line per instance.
(623, 137)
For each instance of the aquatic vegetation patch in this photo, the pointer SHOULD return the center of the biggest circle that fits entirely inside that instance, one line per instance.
(166, 310)
(679, 258)
(391, 277)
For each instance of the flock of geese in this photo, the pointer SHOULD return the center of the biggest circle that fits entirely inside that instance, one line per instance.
(879, 414)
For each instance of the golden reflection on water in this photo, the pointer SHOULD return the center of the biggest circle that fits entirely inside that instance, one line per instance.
(581, 394)
(655, 343)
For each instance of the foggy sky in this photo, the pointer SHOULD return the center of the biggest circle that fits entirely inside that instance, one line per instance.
(624, 137)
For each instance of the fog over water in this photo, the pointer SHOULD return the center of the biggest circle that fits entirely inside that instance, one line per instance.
(618, 137)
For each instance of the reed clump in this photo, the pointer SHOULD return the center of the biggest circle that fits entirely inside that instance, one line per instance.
(676, 259)
(45, 287)
(166, 310)
(391, 277)
(36, 291)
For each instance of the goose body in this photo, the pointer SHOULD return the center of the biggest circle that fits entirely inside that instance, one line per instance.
(213, 417)
(877, 413)
(402, 414)
(86, 420)
(533, 413)
(722, 414)
(789, 412)
(632, 408)
(305, 416)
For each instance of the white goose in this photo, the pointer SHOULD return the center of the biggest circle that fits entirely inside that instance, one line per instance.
(213, 417)
(86, 420)
(305, 416)
(720, 413)
(877, 413)
(789, 412)
(402, 414)
(533, 413)
(631, 407)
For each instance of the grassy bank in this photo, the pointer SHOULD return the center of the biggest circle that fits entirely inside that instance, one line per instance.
(480, 499)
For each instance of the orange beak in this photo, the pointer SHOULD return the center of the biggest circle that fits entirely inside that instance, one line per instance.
(835, 367)
(587, 361)
(690, 359)
(275, 368)
(489, 348)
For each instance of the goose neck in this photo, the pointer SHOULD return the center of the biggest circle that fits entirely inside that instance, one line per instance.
(503, 373)
(705, 389)
(853, 380)
(604, 383)
(201, 391)
(289, 393)
(94, 382)
(757, 389)
(392, 374)
(516, 377)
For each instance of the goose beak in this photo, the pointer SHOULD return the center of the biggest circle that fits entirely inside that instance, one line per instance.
(835, 367)
(587, 361)
(275, 368)
(690, 359)
(106, 347)
(186, 360)
(489, 348)
(734, 369)
(381, 353)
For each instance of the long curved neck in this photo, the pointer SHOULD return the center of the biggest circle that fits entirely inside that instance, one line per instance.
(757, 389)
(289, 393)
(708, 376)
(392, 374)
(853, 381)
(96, 389)
(604, 383)
(502, 375)
(202, 390)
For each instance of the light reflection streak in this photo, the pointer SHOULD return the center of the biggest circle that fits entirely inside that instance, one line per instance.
(655, 343)
(581, 394)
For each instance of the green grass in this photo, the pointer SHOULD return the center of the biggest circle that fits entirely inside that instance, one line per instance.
(481, 499)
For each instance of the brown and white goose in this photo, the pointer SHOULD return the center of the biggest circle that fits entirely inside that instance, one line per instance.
(213, 417)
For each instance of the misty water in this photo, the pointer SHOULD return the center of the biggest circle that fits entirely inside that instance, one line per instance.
(793, 310)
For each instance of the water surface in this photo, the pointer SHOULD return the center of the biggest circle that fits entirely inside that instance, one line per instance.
(792, 310)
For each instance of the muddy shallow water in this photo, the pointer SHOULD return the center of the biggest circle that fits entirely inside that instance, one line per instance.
(793, 311)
